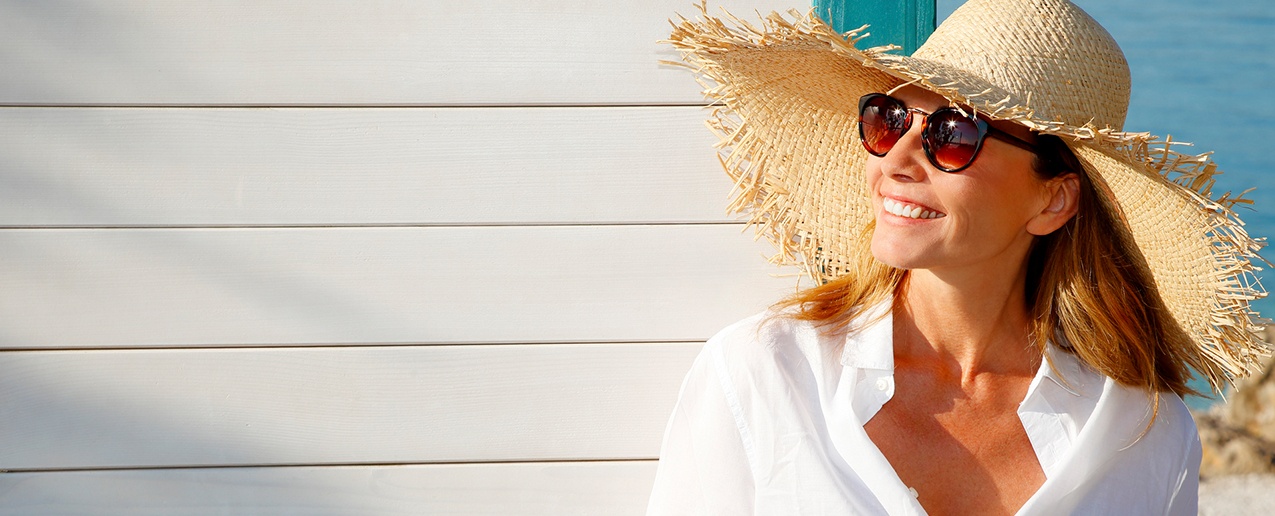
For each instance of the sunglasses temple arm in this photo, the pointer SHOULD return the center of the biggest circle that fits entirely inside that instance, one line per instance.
(1011, 139)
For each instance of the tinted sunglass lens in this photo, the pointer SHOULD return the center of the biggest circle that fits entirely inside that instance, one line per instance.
(882, 121)
(952, 139)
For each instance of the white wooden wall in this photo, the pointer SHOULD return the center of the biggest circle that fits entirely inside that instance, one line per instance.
(352, 257)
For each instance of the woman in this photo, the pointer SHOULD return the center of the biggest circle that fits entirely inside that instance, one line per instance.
(1012, 292)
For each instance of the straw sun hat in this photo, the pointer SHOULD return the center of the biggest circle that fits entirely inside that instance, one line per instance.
(785, 96)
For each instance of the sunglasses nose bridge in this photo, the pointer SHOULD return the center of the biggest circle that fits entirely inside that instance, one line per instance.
(916, 119)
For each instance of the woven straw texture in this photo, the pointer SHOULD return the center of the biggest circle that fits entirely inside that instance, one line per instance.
(785, 94)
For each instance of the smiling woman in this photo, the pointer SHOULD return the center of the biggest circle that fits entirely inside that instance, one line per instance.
(1011, 291)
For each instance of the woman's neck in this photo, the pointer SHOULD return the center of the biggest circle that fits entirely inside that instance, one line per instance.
(967, 323)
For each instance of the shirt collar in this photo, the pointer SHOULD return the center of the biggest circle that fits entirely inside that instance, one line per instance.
(871, 346)
(1067, 371)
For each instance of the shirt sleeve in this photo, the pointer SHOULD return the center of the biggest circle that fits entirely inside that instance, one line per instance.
(1186, 498)
(704, 468)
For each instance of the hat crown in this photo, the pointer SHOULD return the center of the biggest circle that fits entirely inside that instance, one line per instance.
(1047, 51)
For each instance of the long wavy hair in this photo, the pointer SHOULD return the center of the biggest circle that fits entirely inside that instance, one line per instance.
(1088, 289)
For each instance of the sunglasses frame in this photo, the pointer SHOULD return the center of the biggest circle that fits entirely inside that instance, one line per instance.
(984, 130)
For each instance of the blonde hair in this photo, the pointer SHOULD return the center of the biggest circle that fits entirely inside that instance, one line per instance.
(1087, 283)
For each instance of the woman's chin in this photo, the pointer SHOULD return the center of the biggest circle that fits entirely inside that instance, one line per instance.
(896, 255)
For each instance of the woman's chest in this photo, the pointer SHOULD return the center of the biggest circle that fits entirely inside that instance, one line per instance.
(959, 456)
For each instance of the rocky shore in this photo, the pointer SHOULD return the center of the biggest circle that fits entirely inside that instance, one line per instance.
(1237, 471)
(1239, 434)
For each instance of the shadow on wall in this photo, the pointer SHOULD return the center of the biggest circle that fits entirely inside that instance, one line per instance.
(61, 416)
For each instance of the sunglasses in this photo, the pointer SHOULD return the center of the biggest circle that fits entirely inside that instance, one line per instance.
(951, 137)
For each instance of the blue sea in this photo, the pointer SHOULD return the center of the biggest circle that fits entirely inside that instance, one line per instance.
(1203, 72)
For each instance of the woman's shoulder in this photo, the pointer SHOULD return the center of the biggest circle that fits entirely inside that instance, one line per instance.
(1172, 420)
(1157, 427)
(767, 328)
(1138, 442)
(773, 339)
(1175, 424)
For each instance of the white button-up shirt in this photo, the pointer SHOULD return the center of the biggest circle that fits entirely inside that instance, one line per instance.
(770, 421)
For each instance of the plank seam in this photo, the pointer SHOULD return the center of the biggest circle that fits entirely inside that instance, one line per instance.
(371, 345)
(386, 225)
(323, 465)
(361, 106)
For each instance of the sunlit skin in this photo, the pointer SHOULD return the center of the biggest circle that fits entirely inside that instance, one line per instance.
(963, 360)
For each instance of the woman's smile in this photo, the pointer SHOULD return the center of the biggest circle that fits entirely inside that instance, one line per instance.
(909, 210)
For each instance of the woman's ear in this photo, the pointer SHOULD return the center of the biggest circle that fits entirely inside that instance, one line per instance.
(1064, 198)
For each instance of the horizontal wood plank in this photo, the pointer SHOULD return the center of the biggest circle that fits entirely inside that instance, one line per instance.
(324, 166)
(81, 288)
(549, 489)
(359, 405)
(339, 52)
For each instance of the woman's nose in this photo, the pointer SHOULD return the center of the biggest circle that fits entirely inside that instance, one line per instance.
(906, 161)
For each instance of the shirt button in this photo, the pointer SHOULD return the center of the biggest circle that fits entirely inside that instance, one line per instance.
(882, 384)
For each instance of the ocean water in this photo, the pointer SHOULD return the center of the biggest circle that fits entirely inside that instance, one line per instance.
(1203, 72)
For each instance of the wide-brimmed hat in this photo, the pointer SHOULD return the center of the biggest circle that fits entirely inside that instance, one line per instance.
(785, 94)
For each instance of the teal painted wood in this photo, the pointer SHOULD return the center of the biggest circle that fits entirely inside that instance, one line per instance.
(906, 23)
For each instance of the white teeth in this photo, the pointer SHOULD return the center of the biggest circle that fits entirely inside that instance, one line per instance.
(907, 210)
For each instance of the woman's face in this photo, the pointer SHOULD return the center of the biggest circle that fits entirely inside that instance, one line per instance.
(983, 217)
